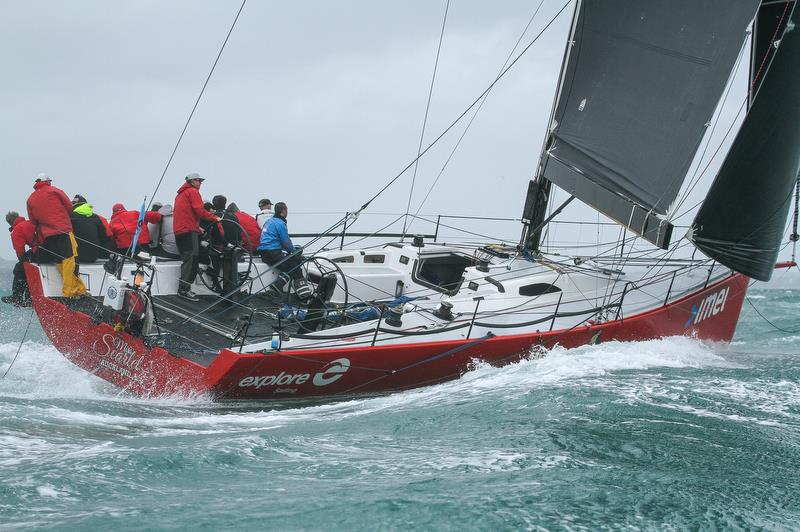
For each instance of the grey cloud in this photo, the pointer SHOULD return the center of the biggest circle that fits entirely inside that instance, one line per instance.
(314, 103)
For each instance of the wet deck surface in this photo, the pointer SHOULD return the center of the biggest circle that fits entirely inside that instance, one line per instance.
(197, 330)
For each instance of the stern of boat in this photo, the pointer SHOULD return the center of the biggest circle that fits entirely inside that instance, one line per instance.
(118, 357)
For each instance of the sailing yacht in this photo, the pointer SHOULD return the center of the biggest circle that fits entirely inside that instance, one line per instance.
(639, 85)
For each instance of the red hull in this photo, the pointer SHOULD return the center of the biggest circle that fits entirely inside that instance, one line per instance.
(126, 362)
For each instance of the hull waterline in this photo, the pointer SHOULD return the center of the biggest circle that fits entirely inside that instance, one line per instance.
(128, 363)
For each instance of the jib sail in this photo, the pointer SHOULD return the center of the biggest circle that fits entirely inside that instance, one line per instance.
(741, 222)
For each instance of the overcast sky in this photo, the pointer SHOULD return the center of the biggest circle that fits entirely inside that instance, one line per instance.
(317, 104)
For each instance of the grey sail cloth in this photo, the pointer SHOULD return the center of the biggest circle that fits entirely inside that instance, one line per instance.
(741, 222)
(642, 80)
(162, 234)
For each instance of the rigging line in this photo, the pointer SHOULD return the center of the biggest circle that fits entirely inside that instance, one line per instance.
(747, 98)
(372, 235)
(99, 302)
(196, 103)
(494, 239)
(794, 237)
(425, 119)
(620, 236)
(475, 114)
(767, 319)
(767, 220)
(693, 182)
(30, 319)
(664, 260)
(768, 52)
(464, 113)
(711, 160)
(451, 126)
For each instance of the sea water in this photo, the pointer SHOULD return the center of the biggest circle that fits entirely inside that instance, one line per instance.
(662, 434)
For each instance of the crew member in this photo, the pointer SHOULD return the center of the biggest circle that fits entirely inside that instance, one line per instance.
(162, 235)
(252, 231)
(265, 206)
(49, 210)
(23, 233)
(211, 244)
(90, 233)
(231, 245)
(187, 214)
(274, 245)
(124, 224)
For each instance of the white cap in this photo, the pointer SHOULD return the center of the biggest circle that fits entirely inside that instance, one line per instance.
(43, 177)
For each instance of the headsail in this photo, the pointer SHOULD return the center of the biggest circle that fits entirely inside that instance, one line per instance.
(742, 219)
(773, 15)
(642, 81)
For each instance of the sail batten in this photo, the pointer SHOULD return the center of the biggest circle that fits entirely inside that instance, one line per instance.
(642, 81)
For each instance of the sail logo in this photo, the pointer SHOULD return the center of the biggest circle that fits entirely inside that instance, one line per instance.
(332, 372)
(709, 306)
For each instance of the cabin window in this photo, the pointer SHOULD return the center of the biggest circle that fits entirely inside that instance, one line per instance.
(347, 258)
(442, 273)
(537, 289)
(374, 259)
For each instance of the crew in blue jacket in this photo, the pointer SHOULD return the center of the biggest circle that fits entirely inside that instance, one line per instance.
(275, 236)
(274, 245)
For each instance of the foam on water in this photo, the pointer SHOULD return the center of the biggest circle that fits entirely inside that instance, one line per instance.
(559, 367)
(671, 433)
(41, 373)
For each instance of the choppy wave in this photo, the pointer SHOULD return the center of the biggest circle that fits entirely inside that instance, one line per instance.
(40, 372)
(668, 433)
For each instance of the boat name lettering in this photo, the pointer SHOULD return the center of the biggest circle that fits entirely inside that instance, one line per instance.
(115, 348)
(709, 306)
(332, 372)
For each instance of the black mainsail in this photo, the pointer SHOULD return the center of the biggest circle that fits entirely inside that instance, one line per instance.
(741, 222)
(642, 81)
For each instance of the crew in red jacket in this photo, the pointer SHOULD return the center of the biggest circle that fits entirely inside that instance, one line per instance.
(49, 210)
(250, 226)
(123, 228)
(187, 213)
(23, 233)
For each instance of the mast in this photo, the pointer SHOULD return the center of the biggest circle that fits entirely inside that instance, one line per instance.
(538, 196)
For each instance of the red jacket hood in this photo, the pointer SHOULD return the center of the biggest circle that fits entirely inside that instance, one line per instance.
(184, 187)
(18, 221)
(41, 184)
